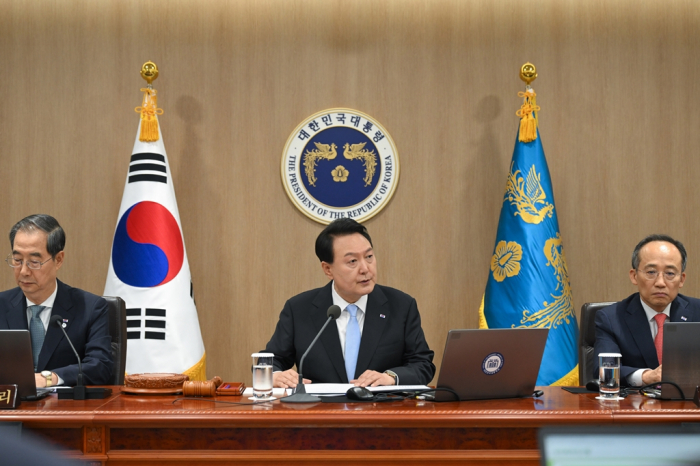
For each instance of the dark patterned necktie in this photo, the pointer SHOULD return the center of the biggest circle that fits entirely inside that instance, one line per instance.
(37, 331)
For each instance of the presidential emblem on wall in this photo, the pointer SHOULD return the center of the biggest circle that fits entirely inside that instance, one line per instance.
(340, 163)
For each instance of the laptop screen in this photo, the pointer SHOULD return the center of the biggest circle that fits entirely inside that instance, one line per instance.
(608, 446)
(681, 359)
(16, 363)
(483, 364)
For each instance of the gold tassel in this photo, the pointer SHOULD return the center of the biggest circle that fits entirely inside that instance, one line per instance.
(528, 116)
(148, 110)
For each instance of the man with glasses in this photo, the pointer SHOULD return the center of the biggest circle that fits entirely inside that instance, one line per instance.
(37, 244)
(634, 327)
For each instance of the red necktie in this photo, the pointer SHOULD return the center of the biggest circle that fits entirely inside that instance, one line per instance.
(659, 340)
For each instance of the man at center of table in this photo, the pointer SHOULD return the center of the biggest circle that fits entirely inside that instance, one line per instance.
(381, 344)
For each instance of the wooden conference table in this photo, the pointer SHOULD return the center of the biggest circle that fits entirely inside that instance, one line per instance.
(138, 429)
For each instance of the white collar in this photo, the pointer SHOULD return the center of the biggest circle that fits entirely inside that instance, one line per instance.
(651, 312)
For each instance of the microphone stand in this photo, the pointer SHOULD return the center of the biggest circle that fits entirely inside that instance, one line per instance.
(80, 391)
(300, 395)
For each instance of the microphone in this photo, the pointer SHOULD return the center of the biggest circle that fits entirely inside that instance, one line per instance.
(593, 385)
(80, 391)
(300, 395)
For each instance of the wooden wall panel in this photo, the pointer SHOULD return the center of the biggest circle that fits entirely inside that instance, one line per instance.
(619, 123)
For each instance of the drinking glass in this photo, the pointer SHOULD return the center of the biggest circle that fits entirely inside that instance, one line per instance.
(262, 376)
(609, 375)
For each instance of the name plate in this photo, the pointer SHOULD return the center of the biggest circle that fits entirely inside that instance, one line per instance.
(8, 397)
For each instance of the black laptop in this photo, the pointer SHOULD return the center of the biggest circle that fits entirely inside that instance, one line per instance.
(17, 365)
(681, 363)
(483, 364)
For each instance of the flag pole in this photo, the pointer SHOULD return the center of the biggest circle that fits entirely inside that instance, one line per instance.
(148, 265)
(528, 284)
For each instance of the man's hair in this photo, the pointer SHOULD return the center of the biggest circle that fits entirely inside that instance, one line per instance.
(56, 240)
(665, 239)
(340, 227)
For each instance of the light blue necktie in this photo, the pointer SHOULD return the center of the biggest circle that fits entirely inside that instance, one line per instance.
(37, 331)
(352, 342)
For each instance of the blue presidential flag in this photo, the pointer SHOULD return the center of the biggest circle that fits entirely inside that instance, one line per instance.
(528, 284)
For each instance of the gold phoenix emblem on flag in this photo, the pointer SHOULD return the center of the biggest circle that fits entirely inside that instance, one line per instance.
(526, 195)
(562, 308)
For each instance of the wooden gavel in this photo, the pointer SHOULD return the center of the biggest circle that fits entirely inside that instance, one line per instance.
(201, 388)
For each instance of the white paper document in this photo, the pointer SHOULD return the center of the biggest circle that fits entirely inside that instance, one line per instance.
(335, 389)
(342, 388)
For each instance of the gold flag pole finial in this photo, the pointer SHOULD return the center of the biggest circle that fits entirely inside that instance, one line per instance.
(149, 72)
(149, 105)
(528, 73)
(528, 110)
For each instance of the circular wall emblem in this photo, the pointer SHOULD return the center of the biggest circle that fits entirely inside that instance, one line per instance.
(340, 163)
(147, 249)
(492, 363)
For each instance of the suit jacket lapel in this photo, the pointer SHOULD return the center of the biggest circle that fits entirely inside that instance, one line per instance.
(329, 338)
(17, 315)
(377, 317)
(636, 320)
(61, 306)
(679, 310)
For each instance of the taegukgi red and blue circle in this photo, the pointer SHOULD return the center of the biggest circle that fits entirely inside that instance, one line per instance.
(148, 249)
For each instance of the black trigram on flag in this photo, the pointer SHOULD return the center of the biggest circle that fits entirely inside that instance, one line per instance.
(150, 326)
(143, 165)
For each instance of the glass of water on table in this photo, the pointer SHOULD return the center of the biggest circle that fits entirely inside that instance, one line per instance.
(609, 375)
(262, 376)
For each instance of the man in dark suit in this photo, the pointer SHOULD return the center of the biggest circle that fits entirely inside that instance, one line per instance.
(37, 254)
(377, 340)
(634, 327)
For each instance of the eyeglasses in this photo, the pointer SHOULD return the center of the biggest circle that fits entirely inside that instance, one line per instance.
(653, 275)
(17, 263)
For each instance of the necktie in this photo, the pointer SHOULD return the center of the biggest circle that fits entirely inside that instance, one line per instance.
(352, 342)
(37, 331)
(659, 340)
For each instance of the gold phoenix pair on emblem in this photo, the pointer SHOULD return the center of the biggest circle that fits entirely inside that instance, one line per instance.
(340, 174)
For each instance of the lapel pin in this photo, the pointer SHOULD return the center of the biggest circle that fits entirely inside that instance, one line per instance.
(684, 318)
(65, 323)
(382, 316)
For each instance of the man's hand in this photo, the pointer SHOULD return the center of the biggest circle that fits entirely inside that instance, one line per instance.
(651, 376)
(373, 379)
(41, 381)
(286, 379)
